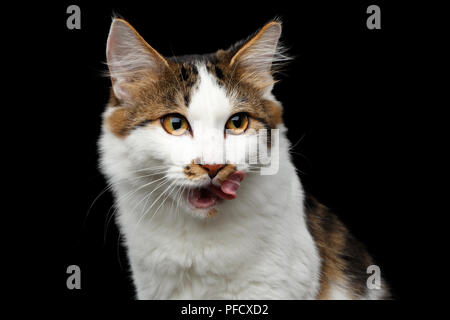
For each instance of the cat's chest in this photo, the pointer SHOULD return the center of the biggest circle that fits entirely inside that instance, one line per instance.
(188, 252)
(176, 266)
(183, 270)
(182, 276)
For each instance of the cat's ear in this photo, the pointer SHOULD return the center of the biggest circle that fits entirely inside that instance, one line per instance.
(258, 57)
(129, 58)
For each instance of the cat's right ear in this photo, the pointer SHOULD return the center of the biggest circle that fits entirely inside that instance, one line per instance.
(130, 58)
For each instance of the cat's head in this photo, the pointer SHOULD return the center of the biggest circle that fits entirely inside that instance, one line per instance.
(190, 121)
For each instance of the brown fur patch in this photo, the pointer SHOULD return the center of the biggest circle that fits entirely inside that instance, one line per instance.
(212, 212)
(194, 171)
(343, 258)
(152, 100)
(248, 95)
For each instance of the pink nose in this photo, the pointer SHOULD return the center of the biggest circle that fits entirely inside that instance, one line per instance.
(212, 169)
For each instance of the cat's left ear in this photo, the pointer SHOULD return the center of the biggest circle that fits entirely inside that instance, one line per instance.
(257, 58)
(130, 58)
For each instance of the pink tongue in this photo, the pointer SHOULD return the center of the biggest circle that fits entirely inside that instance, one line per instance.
(232, 183)
(228, 188)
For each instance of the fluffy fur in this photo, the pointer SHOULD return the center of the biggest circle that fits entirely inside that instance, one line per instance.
(265, 244)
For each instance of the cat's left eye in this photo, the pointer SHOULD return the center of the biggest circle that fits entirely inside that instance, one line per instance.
(175, 124)
(237, 124)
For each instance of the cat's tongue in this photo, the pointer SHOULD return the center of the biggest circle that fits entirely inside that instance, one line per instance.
(228, 188)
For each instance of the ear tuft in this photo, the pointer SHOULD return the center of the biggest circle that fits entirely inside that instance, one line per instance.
(129, 56)
(261, 55)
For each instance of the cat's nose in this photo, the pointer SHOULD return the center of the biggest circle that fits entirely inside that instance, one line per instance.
(212, 169)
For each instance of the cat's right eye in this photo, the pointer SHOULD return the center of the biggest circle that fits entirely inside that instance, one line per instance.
(175, 124)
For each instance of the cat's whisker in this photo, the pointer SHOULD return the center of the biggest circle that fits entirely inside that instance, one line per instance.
(127, 196)
(154, 202)
(174, 198)
(106, 226)
(150, 175)
(133, 191)
(115, 205)
(148, 197)
(153, 168)
(298, 141)
(118, 250)
(168, 194)
(108, 216)
(108, 187)
(179, 198)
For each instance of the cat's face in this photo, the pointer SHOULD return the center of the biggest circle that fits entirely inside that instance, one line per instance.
(188, 126)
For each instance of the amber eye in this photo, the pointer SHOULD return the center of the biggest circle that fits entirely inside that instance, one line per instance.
(175, 124)
(238, 123)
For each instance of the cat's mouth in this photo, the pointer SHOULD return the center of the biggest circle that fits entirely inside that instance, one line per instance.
(207, 197)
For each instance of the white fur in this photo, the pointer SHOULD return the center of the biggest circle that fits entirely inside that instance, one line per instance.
(338, 291)
(256, 247)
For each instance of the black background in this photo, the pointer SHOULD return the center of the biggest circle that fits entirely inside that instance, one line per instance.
(344, 106)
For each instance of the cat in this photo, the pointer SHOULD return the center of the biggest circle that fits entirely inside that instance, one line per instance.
(199, 226)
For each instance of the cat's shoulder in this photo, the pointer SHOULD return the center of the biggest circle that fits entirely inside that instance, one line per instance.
(344, 259)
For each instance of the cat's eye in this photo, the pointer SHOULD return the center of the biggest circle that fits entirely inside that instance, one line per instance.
(238, 123)
(175, 124)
